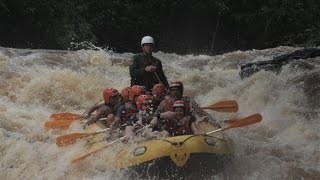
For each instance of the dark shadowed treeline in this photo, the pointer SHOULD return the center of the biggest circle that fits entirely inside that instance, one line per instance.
(181, 26)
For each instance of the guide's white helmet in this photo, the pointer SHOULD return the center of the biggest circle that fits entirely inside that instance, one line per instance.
(147, 40)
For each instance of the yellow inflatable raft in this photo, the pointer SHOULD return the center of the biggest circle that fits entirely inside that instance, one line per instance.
(164, 156)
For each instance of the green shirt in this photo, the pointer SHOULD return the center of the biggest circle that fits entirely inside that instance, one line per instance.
(143, 78)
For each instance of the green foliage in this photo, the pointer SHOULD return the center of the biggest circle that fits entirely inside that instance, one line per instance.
(3, 9)
(182, 26)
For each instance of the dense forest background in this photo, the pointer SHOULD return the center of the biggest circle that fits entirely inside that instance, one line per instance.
(180, 26)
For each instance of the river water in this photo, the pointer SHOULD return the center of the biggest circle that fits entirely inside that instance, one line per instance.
(37, 83)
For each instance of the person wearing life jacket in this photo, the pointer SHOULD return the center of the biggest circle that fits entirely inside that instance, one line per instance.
(107, 110)
(146, 70)
(143, 118)
(176, 93)
(181, 124)
(128, 108)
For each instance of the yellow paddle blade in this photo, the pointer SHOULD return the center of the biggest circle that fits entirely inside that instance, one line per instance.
(95, 150)
(58, 124)
(68, 139)
(65, 116)
(224, 106)
(252, 119)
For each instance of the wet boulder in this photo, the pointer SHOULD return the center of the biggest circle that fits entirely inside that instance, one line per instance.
(276, 63)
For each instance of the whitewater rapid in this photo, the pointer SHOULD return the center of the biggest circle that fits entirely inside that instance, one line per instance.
(37, 83)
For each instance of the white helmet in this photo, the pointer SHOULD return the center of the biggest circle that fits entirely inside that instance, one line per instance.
(147, 39)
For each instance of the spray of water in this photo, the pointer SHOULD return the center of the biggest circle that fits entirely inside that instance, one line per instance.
(36, 83)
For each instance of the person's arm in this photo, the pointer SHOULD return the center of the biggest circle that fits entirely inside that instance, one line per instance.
(92, 109)
(154, 122)
(168, 115)
(159, 109)
(101, 112)
(135, 69)
(117, 118)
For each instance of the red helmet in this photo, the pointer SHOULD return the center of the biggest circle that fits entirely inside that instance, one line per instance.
(179, 103)
(136, 91)
(109, 92)
(143, 99)
(125, 94)
(176, 83)
(158, 90)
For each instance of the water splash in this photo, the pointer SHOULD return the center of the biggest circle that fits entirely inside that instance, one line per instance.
(36, 83)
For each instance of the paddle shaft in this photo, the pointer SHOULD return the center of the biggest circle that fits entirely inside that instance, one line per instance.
(217, 130)
(72, 138)
(99, 131)
(96, 150)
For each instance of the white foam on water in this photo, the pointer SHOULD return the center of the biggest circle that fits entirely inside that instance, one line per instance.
(37, 83)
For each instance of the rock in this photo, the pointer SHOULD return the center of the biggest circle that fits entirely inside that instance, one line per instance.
(276, 63)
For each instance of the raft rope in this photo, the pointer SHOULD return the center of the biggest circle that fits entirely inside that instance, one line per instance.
(181, 142)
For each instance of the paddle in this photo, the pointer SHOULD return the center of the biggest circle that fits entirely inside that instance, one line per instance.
(65, 116)
(68, 139)
(61, 120)
(68, 115)
(58, 124)
(255, 118)
(63, 124)
(224, 106)
(236, 123)
(65, 119)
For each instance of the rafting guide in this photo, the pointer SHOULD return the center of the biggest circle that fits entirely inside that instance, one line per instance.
(146, 70)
